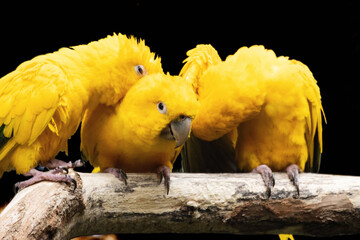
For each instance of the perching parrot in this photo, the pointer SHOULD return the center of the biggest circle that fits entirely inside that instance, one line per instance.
(44, 99)
(258, 112)
(144, 132)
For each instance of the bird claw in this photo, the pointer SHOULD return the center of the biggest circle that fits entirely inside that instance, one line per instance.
(77, 163)
(293, 172)
(118, 173)
(38, 176)
(60, 169)
(267, 176)
(74, 182)
(56, 163)
(16, 188)
(164, 173)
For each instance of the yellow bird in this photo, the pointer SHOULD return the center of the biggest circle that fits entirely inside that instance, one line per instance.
(144, 132)
(258, 112)
(44, 99)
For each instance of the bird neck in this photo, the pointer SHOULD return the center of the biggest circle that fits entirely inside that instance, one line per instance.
(91, 70)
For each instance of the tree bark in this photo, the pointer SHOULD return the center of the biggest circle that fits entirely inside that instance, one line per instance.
(328, 205)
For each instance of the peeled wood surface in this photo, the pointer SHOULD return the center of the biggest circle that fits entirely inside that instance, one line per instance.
(197, 203)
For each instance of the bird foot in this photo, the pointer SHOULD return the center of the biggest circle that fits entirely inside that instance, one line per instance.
(55, 175)
(267, 176)
(164, 172)
(118, 173)
(293, 172)
(56, 163)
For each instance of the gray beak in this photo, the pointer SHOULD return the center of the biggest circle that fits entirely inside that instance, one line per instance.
(178, 130)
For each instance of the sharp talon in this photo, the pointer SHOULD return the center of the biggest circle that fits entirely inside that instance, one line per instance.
(297, 190)
(268, 192)
(161, 177)
(64, 169)
(269, 183)
(74, 182)
(118, 173)
(164, 172)
(37, 176)
(167, 186)
(79, 163)
(16, 188)
(272, 180)
(123, 176)
(293, 172)
(267, 176)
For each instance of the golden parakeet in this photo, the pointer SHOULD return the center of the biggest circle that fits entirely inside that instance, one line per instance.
(44, 99)
(144, 132)
(258, 112)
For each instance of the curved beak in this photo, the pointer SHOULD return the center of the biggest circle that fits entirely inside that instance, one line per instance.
(178, 130)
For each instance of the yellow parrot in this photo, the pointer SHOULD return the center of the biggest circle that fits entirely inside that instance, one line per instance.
(42, 102)
(144, 132)
(258, 112)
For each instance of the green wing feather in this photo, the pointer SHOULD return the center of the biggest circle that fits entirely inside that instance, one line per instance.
(3, 139)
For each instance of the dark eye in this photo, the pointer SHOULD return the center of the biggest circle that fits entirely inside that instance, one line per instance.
(182, 117)
(161, 107)
(140, 70)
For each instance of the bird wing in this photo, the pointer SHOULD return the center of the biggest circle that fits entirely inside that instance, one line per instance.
(313, 131)
(29, 97)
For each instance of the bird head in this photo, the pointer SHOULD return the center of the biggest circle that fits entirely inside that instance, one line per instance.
(134, 61)
(158, 110)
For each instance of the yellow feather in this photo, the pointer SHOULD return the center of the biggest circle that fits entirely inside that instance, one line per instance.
(128, 136)
(53, 127)
(39, 125)
(43, 100)
(5, 150)
(286, 237)
(273, 102)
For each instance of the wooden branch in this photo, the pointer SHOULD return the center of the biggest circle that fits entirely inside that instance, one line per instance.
(197, 203)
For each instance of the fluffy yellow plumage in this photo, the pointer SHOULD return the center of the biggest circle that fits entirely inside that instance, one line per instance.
(44, 99)
(256, 108)
(145, 131)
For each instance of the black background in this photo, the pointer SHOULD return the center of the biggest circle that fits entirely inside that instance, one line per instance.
(325, 36)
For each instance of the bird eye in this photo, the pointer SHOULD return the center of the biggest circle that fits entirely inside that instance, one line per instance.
(162, 107)
(140, 70)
